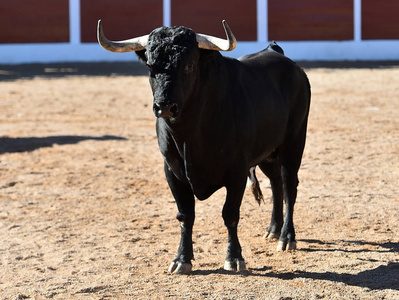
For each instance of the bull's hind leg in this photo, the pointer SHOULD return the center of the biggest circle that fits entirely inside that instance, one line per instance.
(287, 238)
(231, 215)
(272, 169)
(186, 205)
(290, 157)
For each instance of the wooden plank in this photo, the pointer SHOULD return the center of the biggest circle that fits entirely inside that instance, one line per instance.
(206, 17)
(380, 19)
(34, 21)
(293, 20)
(122, 19)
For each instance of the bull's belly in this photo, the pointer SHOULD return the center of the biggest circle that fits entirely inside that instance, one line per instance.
(207, 173)
(267, 155)
(265, 149)
(203, 191)
(204, 182)
(207, 177)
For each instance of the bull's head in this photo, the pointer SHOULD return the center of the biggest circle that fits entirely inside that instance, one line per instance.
(172, 56)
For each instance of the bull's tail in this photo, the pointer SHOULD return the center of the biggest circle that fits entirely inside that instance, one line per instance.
(255, 186)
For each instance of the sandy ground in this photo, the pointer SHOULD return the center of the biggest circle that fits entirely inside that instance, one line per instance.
(86, 212)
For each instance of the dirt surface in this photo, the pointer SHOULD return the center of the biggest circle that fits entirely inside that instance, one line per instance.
(86, 212)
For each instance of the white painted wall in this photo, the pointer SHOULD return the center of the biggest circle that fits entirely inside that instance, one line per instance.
(75, 51)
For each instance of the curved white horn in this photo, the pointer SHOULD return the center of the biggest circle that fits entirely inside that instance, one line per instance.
(135, 44)
(213, 43)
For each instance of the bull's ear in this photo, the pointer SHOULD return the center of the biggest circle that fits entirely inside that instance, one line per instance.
(141, 56)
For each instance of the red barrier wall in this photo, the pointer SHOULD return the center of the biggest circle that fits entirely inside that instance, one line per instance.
(206, 17)
(122, 19)
(34, 21)
(380, 19)
(293, 20)
(47, 21)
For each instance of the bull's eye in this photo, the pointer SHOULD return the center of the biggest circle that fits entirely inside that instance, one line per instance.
(189, 68)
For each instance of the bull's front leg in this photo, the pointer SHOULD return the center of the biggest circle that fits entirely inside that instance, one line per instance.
(231, 215)
(185, 203)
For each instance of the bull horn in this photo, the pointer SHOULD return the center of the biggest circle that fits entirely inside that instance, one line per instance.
(135, 44)
(213, 43)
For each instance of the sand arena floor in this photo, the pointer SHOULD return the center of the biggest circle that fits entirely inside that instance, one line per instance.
(85, 211)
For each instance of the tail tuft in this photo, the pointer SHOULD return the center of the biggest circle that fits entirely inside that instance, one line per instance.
(256, 191)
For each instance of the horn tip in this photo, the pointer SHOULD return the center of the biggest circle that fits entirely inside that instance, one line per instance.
(99, 25)
(225, 25)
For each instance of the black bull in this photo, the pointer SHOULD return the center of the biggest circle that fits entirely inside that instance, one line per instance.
(217, 119)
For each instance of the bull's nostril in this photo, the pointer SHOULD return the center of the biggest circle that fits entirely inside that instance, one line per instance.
(157, 110)
(166, 111)
(174, 109)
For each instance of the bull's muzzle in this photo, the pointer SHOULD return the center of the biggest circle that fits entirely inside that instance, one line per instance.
(166, 111)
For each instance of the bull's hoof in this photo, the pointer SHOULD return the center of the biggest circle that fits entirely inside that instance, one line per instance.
(236, 265)
(286, 246)
(271, 236)
(180, 268)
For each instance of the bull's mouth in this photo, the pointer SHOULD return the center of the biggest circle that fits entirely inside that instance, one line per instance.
(170, 111)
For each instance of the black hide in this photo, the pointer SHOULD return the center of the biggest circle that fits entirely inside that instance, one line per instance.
(219, 118)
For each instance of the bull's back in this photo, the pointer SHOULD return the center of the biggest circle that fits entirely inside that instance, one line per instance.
(279, 90)
(280, 77)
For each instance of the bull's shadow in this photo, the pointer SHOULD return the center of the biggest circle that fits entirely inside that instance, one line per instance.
(385, 276)
(27, 144)
(29, 71)
(381, 278)
(390, 246)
